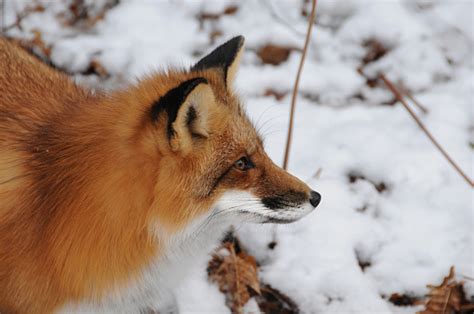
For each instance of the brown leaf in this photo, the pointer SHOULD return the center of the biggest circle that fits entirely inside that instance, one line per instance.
(448, 297)
(274, 54)
(273, 301)
(230, 10)
(278, 95)
(236, 275)
(375, 51)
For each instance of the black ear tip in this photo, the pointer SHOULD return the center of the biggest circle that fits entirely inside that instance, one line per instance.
(222, 56)
(235, 44)
(239, 40)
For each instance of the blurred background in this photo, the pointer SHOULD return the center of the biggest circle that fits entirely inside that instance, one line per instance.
(395, 216)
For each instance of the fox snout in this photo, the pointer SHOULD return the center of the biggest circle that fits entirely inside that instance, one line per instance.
(274, 196)
(286, 199)
(292, 198)
(291, 206)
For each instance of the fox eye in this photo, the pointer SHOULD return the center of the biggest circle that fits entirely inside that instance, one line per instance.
(243, 164)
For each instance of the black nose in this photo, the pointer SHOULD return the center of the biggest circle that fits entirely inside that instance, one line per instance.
(315, 198)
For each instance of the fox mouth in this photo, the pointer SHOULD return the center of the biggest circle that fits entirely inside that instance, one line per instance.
(279, 221)
(244, 206)
(282, 215)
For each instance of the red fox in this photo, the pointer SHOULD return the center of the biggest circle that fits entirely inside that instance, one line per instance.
(108, 199)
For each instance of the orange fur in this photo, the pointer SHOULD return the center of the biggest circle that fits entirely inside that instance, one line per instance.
(83, 177)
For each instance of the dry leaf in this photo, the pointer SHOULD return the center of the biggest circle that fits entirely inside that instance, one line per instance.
(236, 275)
(230, 10)
(446, 298)
(375, 51)
(273, 301)
(278, 95)
(274, 54)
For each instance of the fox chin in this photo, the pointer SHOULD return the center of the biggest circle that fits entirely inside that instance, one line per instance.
(107, 200)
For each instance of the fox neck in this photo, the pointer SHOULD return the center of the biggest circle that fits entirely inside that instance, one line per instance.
(97, 194)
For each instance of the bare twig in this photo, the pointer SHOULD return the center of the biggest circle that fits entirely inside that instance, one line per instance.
(398, 95)
(33, 8)
(297, 82)
(413, 99)
(317, 174)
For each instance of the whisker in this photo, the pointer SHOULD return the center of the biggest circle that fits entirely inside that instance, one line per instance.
(260, 116)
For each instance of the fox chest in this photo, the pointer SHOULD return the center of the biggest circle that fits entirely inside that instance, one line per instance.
(154, 287)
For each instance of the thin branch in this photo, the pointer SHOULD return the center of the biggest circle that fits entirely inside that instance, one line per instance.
(413, 99)
(20, 16)
(297, 82)
(317, 174)
(398, 95)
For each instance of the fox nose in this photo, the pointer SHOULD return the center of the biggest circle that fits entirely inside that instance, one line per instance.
(314, 198)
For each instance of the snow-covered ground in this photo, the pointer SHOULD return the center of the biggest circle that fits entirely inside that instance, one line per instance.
(390, 201)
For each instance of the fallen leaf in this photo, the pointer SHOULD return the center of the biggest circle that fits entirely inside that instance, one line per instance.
(375, 51)
(274, 54)
(236, 275)
(274, 93)
(273, 301)
(230, 10)
(448, 297)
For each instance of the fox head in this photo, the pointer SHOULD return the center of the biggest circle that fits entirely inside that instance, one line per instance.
(211, 160)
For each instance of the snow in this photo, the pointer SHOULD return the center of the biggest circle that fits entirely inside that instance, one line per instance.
(410, 233)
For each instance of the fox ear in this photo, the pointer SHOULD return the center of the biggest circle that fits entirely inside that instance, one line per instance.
(225, 59)
(187, 107)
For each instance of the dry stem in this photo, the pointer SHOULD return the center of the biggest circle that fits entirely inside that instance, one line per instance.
(297, 82)
(398, 95)
(413, 99)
